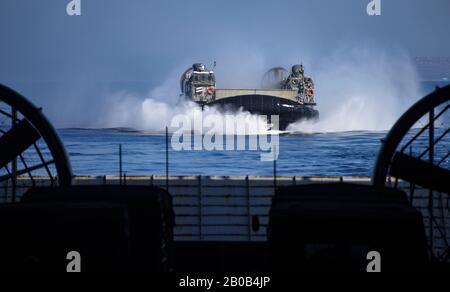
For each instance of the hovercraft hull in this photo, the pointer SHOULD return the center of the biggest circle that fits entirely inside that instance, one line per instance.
(288, 111)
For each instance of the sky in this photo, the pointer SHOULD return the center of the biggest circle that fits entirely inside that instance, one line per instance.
(70, 65)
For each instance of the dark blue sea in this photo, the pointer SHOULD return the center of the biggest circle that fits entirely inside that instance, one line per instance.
(96, 152)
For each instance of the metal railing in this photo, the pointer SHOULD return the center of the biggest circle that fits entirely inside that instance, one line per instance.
(223, 208)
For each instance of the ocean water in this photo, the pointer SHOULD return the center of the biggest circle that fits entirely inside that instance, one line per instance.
(96, 152)
(351, 153)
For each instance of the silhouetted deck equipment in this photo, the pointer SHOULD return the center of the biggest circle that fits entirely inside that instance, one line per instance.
(397, 142)
(404, 157)
(28, 126)
(333, 227)
(37, 237)
(114, 228)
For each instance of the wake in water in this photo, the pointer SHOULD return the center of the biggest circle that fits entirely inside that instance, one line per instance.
(357, 89)
(152, 116)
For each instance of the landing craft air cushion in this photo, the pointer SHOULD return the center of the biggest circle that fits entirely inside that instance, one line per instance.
(290, 95)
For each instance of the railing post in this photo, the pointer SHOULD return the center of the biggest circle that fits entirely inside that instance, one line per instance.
(14, 162)
(247, 190)
(200, 207)
(167, 158)
(411, 186)
(120, 164)
(5, 197)
(431, 160)
(274, 170)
